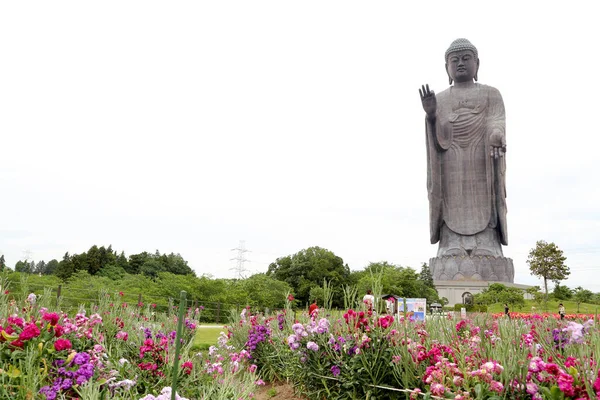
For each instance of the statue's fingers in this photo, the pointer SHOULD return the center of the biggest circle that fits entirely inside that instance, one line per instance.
(427, 85)
(421, 94)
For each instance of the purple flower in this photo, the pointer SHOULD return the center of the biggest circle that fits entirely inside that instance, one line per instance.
(81, 358)
(49, 392)
(335, 370)
(66, 384)
(312, 346)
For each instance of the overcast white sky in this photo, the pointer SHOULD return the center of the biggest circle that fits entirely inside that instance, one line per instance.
(187, 126)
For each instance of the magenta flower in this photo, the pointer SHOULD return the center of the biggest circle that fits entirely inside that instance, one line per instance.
(62, 344)
(31, 331)
(51, 317)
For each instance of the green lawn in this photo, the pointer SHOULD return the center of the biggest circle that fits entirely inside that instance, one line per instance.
(570, 307)
(207, 336)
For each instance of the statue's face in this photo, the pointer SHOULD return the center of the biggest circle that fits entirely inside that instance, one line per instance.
(462, 66)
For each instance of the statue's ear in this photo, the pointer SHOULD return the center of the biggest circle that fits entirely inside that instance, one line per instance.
(477, 70)
(449, 77)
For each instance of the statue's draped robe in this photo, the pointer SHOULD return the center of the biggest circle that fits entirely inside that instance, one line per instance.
(466, 186)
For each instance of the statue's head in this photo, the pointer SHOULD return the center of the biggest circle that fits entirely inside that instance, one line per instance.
(462, 61)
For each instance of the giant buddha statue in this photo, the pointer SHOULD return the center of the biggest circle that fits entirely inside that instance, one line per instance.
(466, 166)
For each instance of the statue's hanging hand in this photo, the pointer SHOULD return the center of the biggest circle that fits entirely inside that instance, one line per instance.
(497, 144)
(429, 101)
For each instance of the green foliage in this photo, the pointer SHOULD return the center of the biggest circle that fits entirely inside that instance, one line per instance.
(498, 293)
(582, 296)
(307, 269)
(547, 261)
(25, 266)
(536, 294)
(562, 292)
(426, 277)
(2, 263)
(263, 290)
(113, 272)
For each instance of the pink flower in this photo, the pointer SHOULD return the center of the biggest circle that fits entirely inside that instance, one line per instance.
(565, 384)
(62, 344)
(31, 331)
(122, 335)
(596, 385)
(437, 389)
(14, 320)
(253, 367)
(532, 388)
(496, 386)
(51, 317)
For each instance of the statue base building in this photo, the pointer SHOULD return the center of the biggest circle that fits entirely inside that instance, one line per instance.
(460, 292)
(472, 268)
(458, 278)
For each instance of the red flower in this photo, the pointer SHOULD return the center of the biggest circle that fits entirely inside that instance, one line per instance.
(121, 294)
(58, 330)
(187, 367)
(62, 344)
(17, 343)
(51, 317)
(31, 331)
(290, 297)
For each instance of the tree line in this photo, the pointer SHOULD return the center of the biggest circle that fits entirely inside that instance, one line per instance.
(301, 274)
(104, 261)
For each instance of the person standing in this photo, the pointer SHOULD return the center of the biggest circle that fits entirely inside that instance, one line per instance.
(506, 310)
(561, 311)
(390, 305)
(313, 310)
(369, 300)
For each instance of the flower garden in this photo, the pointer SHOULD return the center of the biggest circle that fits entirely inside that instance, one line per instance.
(114, 350)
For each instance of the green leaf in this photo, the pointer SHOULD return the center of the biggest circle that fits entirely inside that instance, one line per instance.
(478, 391)
(556, 394)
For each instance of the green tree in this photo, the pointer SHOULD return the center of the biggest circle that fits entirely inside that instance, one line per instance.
(547, 261)
(307, 268)
(265, 291)
(122, 262)
(582, 296)
(65, 267)
(134, 266)
(498, 293)
(51, 267)
(175, 264)
(2, 263)
(25, 266)
(536, 294)
(152, 267)
(40, 268)
(426, 277)
(562, 292)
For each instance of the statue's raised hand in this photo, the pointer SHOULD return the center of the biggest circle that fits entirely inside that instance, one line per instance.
(429, 101)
